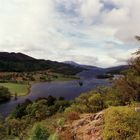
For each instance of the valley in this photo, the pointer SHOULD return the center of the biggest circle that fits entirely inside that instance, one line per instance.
(75, 104)
(67, 88)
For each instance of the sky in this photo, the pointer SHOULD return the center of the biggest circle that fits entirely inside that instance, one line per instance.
(92, 32)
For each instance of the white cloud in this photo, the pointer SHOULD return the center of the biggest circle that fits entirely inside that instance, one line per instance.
(125, 18)
(90, 9)
(70, 29)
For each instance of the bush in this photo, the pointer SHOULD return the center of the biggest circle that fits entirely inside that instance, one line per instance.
(96, 103)
(39, 132)
(61, 105)
(20, 110)
(2, 131)
(54, 137)
(113, 98)
(16, 127)
(60, 122)
(121, 123)
(88, 103)
(4, 94)
(37, 109)
(129, 85)
(76, 108)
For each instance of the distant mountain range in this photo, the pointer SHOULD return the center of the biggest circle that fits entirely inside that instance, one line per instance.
(117, 69)
(111, 70)
(81, 65)
(19, 62)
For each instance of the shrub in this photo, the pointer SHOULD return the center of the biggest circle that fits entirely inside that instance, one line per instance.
(37, 109)
(60, 122)
(4, 94)
(2, 131)
(54, 137)
(96, 103)
(88, 103)
(20, 110)
(113, 98)
(16, 127)
(76, 108)
(129, 85)
(39, 132)
(61, 105)
(121, 123)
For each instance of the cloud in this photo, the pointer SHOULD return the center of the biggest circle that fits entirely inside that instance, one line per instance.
(125, 18)
(90, 9)
(85, 31)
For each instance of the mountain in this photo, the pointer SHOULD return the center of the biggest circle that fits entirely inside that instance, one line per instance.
(97, 71)
(19, 62)
(15, 57)
(117, 69)
(81, 65)
(72, 63)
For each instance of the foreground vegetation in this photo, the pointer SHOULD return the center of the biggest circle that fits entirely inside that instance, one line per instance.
(122, 123)
(47, 118)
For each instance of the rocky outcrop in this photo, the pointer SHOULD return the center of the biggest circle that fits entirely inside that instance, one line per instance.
(88, 127)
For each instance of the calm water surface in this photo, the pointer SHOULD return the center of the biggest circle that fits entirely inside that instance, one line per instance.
(67, 89)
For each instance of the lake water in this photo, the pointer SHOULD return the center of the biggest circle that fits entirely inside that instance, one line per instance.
(67, 89)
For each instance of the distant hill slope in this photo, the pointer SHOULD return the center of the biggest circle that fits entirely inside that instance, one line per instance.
(117, 69)
(81, 65)
(98, 70)
(19, 62)
(15, 57)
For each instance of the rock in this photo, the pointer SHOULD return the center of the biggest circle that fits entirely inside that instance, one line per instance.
(88, 127)
(137, 109)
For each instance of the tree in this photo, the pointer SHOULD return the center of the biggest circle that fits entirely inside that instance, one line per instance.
(90, 102)
(128, 86)
(37, 109)
(4, 94)
(39, 132)
(20, 110)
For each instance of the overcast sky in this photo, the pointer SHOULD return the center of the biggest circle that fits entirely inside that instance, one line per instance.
(95, 32)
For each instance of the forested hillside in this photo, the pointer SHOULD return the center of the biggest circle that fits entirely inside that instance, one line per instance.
(18, 62)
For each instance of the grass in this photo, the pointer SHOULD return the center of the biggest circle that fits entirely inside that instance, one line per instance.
(61, 77)
(64, 79)
(19, 89)
(23, 89)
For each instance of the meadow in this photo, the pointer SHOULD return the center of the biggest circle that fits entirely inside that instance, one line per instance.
(16, 88)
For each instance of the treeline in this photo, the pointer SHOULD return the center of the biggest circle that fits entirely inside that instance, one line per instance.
(38, 65)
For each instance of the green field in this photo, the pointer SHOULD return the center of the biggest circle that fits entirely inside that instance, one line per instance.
(19, 89)
(61, 77)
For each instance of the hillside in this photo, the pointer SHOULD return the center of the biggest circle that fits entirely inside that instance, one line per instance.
(89, 67)
(15, 57)
(18, 62)
(117, 69)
